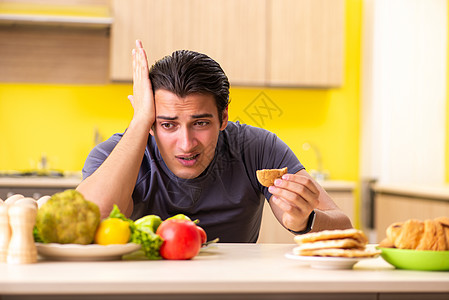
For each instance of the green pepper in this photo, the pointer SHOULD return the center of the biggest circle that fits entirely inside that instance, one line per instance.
(180, 217)
(183, 217)
(150, 222)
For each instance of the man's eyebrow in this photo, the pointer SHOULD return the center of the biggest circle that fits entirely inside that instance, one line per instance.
(199, 116)
(202, 116)
(167, 118)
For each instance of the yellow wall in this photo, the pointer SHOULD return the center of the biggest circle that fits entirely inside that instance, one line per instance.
(59, 120)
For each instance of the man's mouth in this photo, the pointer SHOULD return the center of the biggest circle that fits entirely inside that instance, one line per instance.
(191, 157)
(188, 160)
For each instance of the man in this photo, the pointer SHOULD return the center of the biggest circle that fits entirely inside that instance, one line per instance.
(181, 155)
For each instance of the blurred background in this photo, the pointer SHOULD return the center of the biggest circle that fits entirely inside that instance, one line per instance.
(356, 88)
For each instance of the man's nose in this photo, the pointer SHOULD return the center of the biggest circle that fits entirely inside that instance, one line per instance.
(186, 140)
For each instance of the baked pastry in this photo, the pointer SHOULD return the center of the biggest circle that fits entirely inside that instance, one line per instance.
(444, 221)
(324, 235)
(418, 235)
(335, 252)
(335, 243)
(267, 177)
(332, 244)
(409, 234)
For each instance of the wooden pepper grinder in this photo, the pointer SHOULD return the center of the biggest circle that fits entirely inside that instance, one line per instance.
(22, 217)
(5, 231)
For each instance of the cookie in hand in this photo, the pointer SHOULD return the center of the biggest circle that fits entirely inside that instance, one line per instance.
(267, 177)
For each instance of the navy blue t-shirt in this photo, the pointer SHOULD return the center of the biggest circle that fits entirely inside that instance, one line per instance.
(227, 198)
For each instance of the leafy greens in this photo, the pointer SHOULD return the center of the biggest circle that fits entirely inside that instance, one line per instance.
(143, 232)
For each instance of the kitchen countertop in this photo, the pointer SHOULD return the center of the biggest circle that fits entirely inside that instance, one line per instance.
(43, 181)
(40, 181)
(336, 185)
(437, 192)
(226, 269)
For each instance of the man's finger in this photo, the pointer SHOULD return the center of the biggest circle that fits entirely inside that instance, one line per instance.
(303, 180)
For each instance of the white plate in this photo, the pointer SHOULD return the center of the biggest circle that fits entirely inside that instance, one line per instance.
(325, 262)
(75, 252)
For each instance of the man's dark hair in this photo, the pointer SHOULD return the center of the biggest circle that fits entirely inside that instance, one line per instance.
(185, 72)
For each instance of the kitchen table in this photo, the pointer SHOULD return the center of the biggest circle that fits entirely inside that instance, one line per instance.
(222, 271)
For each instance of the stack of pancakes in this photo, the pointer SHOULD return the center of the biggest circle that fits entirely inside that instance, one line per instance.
(418, 235)
(337, 243)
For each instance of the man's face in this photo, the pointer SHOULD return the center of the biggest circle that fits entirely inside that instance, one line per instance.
(186, 131)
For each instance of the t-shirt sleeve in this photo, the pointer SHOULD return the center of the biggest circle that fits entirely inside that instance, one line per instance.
(99, 154)
(265, 150)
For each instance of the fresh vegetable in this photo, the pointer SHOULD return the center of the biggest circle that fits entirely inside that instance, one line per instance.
(67, 218)
(183, 217)
(112, 231)
(150, 222)
(142, 233)
(182, 239)
(36, 235)
(179, 217)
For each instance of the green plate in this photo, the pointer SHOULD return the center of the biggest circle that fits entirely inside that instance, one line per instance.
(416, 259)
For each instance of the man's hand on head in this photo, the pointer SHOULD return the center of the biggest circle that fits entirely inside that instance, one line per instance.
(142, 99)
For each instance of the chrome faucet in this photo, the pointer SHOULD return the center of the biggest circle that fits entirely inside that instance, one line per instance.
(319, 174)
(43, 163)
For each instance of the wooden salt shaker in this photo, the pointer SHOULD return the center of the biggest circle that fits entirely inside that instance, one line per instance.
(12, 199)
(22, 217)
(5, 231)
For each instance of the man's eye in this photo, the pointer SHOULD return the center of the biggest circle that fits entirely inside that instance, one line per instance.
(167, 125)
(201, 123)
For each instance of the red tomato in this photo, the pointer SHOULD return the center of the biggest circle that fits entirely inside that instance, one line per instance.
(182, 239)
(202, 234)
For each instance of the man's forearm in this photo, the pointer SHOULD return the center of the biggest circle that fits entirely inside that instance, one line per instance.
(113, 182)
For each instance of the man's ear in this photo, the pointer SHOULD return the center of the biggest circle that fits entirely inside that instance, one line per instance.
(152, 130)
(225, 118)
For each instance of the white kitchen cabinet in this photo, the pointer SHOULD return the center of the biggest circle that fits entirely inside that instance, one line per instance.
(257, 42)
(342, 192)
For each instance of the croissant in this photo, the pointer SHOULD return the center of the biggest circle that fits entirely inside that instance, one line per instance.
(418, 235)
